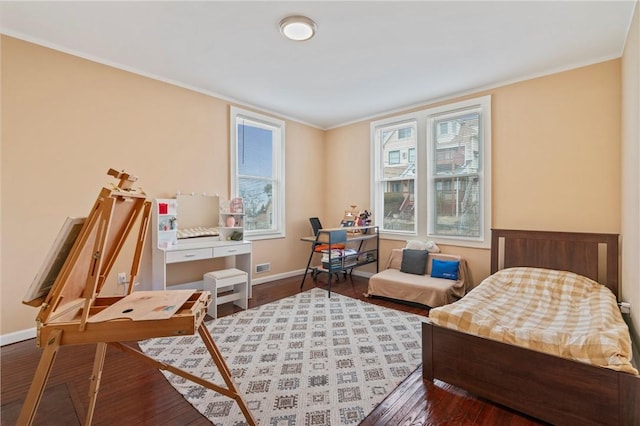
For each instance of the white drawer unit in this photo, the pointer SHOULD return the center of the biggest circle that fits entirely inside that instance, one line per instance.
(231, 250)
(189, 255)
(236, 254)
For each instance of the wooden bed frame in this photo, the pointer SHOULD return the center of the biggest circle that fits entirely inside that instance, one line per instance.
(547, 387)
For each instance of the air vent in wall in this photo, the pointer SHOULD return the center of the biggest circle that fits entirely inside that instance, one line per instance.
(263, 267)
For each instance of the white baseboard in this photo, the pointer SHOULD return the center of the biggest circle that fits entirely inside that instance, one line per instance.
(19, 336)
(275, 277)
(257, 281)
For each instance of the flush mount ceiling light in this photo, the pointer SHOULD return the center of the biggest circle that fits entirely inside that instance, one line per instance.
(298, 28)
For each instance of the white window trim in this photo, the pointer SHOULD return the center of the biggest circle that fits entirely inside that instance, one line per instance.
(423, 147)
(279, 230)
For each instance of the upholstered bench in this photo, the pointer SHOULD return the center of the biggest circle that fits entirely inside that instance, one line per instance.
(419, 285)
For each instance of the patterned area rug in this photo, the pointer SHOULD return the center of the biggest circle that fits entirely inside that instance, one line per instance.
(304, 360)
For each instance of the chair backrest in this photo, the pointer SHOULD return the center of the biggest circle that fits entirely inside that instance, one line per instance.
(315, 224)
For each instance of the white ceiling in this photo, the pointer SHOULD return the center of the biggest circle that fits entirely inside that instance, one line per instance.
(366, 59)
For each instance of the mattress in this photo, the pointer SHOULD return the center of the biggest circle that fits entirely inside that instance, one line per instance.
(556, 312)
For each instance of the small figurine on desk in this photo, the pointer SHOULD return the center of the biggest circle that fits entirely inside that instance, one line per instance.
(236, 205)
(363, 219)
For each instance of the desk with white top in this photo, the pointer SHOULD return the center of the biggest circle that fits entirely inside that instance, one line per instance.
(235, 253)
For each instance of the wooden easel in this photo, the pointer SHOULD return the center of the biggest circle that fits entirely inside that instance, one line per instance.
(67, 308)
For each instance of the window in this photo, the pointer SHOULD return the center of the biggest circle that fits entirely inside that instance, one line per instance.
(394, 157)
(257, 172)
(395, 178)
(405, 132)
(443, 192)
(455, 175)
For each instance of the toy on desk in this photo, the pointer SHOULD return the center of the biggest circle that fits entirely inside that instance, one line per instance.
(236, 205)
(363, 218)
(355, 218)
(351, 214)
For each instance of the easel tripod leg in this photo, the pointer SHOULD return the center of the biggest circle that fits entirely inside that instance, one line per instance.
(28, 412)
(225, 372)
(96, 375)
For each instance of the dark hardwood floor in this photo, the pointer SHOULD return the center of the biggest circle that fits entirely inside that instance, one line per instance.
(132, 392)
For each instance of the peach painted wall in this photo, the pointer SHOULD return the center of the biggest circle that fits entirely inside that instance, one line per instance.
(555, 157)
(631, 171)
(67, 120)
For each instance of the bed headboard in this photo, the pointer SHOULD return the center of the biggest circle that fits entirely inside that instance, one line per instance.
(594, 256)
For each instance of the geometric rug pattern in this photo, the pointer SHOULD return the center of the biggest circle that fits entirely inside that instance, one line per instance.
(303, 360)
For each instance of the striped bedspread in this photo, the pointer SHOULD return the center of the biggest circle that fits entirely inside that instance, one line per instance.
(556, 312)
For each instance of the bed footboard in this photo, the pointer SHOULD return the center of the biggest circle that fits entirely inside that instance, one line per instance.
(547, 387)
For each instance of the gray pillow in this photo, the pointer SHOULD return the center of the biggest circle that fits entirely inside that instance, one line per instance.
(414, 261)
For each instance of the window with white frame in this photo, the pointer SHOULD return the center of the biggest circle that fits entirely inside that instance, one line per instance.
(447, 175)
(394, 177)
(405, 132)
(257, 172)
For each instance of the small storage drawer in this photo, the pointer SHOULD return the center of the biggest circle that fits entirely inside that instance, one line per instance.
(189, 255)
(231, 250)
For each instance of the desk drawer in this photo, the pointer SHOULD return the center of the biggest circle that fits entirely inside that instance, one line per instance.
(189, 255)
(231, 250)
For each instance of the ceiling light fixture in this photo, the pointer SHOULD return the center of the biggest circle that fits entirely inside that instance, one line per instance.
(298, 28)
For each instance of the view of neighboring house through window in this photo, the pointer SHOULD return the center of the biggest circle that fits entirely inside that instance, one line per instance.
(412, 155)
(394, 157)
(257, 171)
(396, 175)
(455, 174)
(439, 186)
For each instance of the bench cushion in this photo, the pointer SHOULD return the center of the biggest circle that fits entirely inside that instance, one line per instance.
(414, 261)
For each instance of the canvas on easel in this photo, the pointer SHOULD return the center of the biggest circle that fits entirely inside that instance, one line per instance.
(67, 287)
(54, 261)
